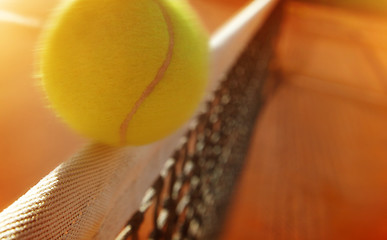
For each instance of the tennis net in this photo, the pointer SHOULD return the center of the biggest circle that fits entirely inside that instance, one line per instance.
(190, 197)
(161, 192)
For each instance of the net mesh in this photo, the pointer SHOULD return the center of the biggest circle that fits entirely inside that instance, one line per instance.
(87, 196)
(189, 198)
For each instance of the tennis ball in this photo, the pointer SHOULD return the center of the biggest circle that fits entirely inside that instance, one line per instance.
(124, 72)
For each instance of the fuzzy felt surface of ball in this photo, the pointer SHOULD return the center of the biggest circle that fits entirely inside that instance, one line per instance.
(124, 72)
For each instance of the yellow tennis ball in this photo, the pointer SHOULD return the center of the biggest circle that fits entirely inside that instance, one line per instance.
(124, 72)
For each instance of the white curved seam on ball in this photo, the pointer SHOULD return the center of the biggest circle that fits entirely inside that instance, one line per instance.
(160, 74)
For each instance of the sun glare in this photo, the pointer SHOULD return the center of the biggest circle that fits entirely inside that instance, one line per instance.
(10, 17)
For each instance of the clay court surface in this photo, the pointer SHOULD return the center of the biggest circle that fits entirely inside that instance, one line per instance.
(317, 167)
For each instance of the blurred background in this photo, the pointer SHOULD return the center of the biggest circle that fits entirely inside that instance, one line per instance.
(317, 167)
(32, 141)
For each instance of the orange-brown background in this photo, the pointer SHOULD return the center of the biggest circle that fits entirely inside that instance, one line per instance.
(317, 167)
